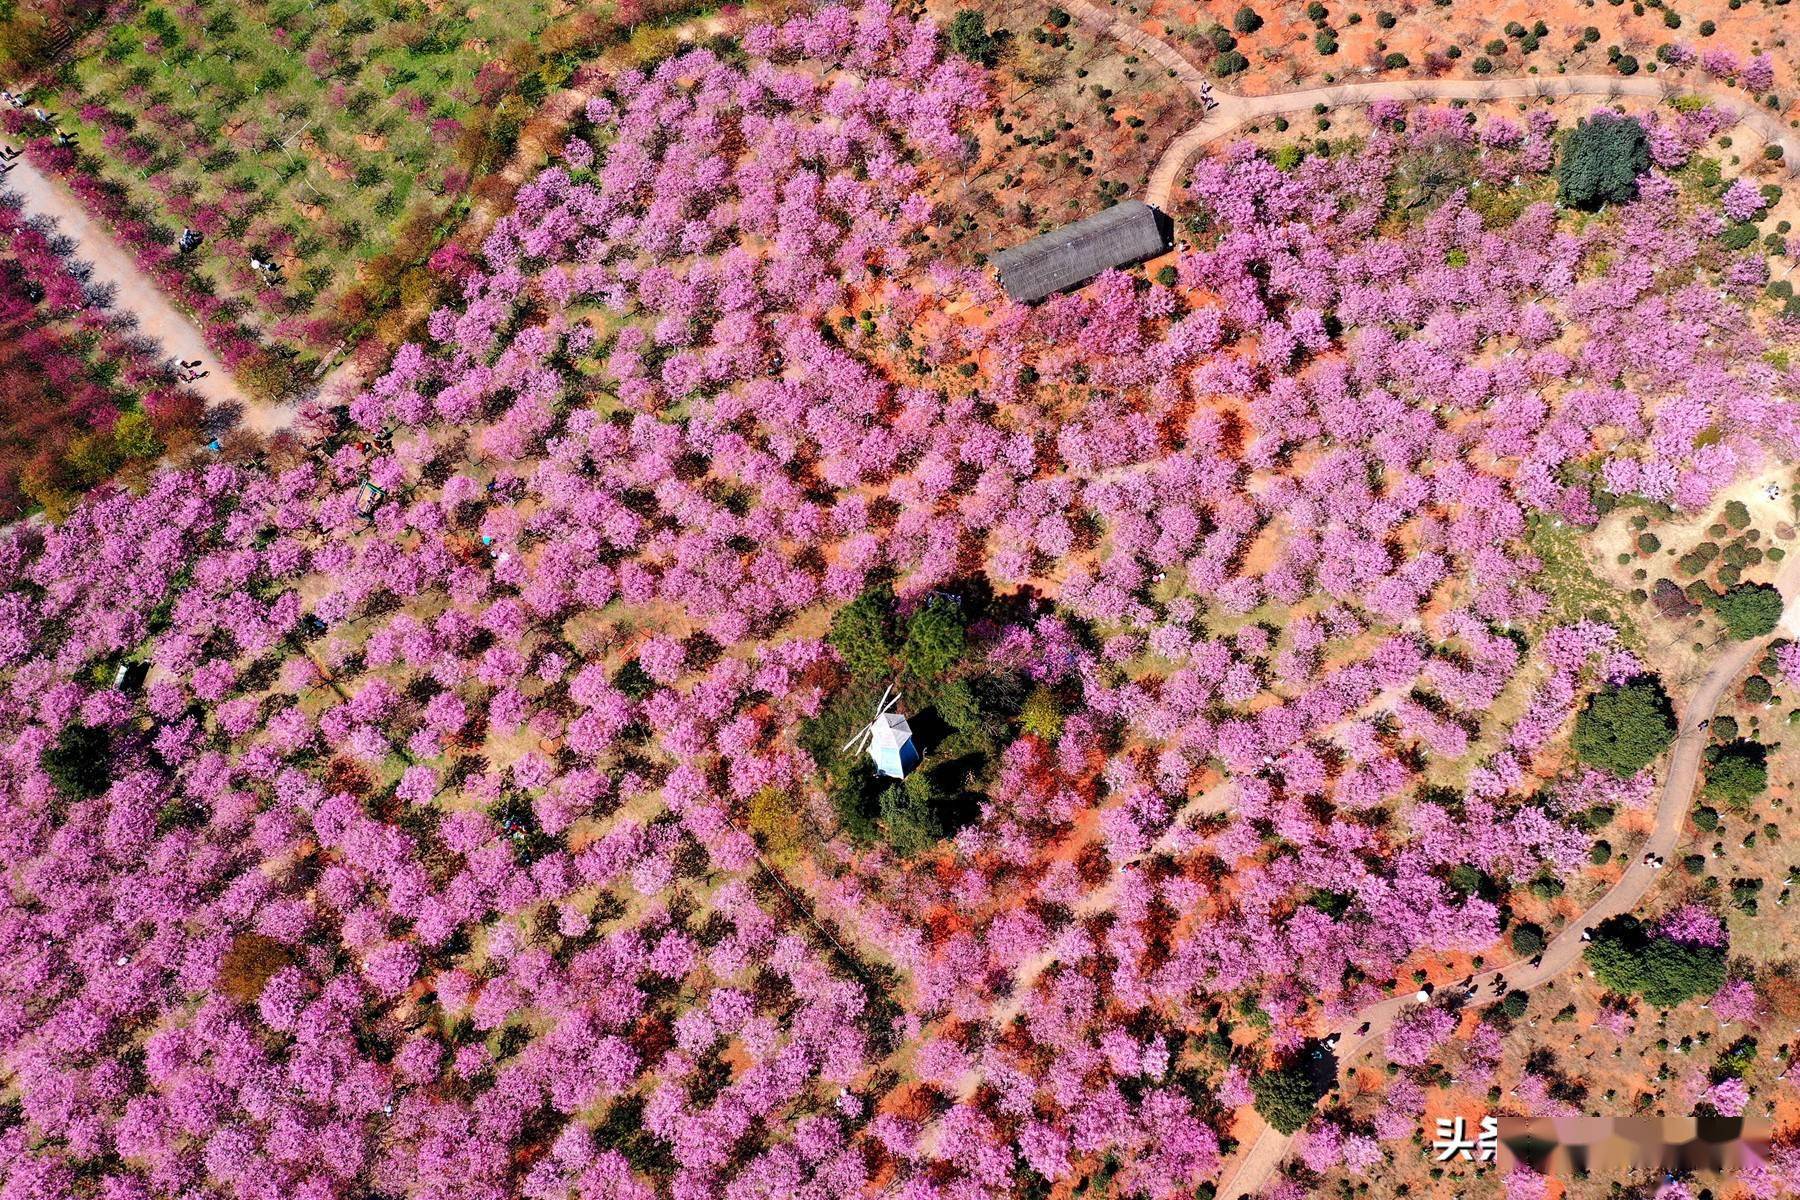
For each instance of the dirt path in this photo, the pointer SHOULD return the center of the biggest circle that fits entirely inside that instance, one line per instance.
(1256, 1162)
(1232, 111)
(135, 293)
(1228, 111)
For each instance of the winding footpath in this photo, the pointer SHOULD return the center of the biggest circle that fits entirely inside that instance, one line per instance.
(1254, 1164)
(136, 294)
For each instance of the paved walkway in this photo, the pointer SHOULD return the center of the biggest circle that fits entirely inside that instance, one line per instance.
(1254, 1164)
(135, 293)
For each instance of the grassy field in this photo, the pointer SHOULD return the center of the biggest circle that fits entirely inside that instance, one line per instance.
(337, 139)
(1575, 591)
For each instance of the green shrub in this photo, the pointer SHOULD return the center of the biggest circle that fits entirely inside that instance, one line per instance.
(909, 814)
(135, 436)
(1466, 879)
(1247, 20)
(1527, 939)
(1623, 727)
(1597, 817)
(1758, 690)
(1629, 959)
(1286, 1096)
(969, 37)
(1229, 63)
(1385, 19)
(1749, 610)
(862, 632)
(1601, 161)
(1648, 543)
(1736, 773)
(1325, 42)
(1739, 235)
(1482, 66)
(957, 703)
(854, 798)
(935, 638)
(1396, 61)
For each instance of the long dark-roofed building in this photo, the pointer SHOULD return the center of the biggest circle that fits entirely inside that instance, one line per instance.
(1126, 233)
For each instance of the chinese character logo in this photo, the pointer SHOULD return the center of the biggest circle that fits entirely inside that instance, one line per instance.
(1453, 1140)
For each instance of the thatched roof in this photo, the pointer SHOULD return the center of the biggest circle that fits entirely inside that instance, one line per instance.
(1125, 233)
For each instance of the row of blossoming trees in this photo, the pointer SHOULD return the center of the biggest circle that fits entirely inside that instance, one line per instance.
(70, 368)
(418, 862)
